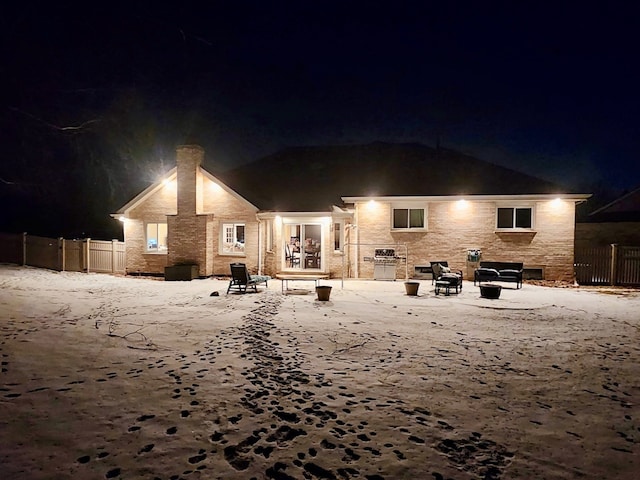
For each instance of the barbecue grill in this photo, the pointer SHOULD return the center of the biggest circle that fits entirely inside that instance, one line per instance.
(385, 262)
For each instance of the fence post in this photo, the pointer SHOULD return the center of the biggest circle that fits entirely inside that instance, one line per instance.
(61, 254)
(24, 248)
(88, 253)
(614, 260)
(113, 255)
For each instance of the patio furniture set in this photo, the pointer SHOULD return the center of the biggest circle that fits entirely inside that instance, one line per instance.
(444, 279)
(447, 280)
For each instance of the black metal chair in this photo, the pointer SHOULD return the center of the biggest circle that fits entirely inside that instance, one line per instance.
(445, 279)
(241, 280)
(291, 258)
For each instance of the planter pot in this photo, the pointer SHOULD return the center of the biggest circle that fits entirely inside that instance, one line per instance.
(411, 288)
(490, 291)
(323, 292)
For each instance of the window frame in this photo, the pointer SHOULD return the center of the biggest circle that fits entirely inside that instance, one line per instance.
(514, 218)
(269, 235)
(409, 208)
(223, 237)
(157, 250)
(340, 239)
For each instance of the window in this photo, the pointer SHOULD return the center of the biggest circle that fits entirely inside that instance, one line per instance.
(338, 233)
(269, 234)
(232, 238)
(515, 217)
(157, 237)
(406, 218)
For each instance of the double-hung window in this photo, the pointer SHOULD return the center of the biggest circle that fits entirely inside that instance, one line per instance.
(156, 237)
(514, 218)
(232, 238)
(408, 218)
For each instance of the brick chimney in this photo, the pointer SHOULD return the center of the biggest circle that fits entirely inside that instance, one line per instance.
(187, 236)
(189, 158)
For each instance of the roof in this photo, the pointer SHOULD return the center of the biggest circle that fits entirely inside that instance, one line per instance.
(623, 209)
(315, 178)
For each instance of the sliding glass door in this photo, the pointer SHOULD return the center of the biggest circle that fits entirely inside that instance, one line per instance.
(303, 246)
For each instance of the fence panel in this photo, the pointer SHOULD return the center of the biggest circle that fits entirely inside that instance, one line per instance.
(593, 266)
(73, 255)
(11, 248)
(628, 266)
(120, 264)
(43, 252)
(100, 256)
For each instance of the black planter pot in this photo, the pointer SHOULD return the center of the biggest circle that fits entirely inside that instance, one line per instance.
(490, 291)
(323, 292)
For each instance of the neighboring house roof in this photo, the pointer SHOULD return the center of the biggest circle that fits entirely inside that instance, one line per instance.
(315, 178)
(623, 209)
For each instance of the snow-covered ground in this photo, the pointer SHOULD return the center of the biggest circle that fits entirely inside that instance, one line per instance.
(113, 377)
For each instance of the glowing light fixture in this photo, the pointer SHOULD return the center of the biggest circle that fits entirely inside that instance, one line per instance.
(371, 204)
(122, 218)
(462, 204)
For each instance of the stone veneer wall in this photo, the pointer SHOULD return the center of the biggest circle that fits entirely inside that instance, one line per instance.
(194, 218)
(453, 230)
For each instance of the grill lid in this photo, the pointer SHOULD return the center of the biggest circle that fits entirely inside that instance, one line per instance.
(384, 253)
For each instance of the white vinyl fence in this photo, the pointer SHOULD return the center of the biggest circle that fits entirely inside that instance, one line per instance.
(84, 255)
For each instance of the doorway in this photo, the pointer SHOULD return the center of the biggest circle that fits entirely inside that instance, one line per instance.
(303, 246)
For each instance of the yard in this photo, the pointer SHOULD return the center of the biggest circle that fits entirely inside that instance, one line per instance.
(117, 377)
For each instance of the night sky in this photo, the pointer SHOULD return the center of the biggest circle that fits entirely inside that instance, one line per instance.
(95, 98)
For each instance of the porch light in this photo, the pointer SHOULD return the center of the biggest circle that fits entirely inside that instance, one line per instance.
(122, 218)
(168, 183)
(371, 204)
(462, 204)
(215, 187)
(556, 202)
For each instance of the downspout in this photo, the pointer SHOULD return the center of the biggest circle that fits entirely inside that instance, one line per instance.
(260, 244)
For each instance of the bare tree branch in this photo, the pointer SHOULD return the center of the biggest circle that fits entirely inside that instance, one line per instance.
(72, 128)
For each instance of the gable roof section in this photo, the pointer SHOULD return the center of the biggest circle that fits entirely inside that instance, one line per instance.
(315, 178)
(623, 209)
(172, 175)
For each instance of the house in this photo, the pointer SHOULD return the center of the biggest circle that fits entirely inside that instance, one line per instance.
(363, 211)
(617, 222)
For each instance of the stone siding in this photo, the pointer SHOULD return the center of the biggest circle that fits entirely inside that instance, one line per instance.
(452, 230)
(194, 215)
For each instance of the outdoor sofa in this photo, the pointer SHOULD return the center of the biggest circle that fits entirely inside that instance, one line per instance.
(499, 272)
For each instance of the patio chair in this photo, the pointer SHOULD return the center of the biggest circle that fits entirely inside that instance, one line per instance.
(292, 258)
(241, 280)
(445, 279)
